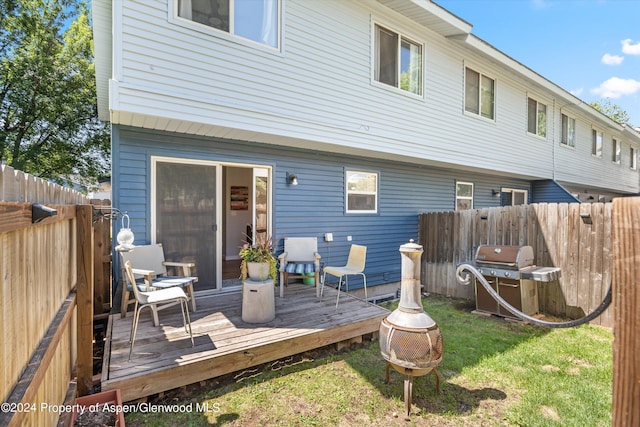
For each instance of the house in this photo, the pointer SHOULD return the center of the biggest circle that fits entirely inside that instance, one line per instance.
(380, 110)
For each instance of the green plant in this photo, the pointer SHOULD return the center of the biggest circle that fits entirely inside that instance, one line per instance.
(259, 251)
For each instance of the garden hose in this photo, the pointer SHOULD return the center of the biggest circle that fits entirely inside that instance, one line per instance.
(465, 279)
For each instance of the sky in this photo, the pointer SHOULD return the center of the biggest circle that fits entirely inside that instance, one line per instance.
(590, 48)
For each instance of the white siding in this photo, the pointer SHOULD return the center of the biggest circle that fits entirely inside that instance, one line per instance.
(317, 93)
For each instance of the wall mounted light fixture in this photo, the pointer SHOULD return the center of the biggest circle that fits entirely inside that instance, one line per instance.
(40, 212)
(495, 192)
(292, 179)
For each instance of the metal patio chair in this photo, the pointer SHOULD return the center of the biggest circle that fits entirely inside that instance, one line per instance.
(355, 266)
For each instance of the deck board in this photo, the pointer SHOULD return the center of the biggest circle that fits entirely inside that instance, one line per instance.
(163, 358)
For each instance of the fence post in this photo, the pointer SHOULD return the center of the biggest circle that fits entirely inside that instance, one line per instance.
(85, 298)
(626, 300)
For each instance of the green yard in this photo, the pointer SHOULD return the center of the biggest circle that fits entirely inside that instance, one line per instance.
(494, 373)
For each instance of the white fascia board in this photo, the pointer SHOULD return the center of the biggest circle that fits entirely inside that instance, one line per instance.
(520, 69)
(101, 16)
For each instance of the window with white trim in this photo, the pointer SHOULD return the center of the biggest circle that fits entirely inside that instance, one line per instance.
(615, 151)
(398, 60)
(479, 94)
(464, 195)
(633, 160)
(536, 118)
(256, 20)
(513, 197)
(596, 143)
(361, 192)
(568, 131)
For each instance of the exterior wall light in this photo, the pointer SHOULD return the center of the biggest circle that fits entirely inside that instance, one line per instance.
(292, 179)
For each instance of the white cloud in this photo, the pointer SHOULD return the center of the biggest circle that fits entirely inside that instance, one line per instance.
(577, 92)
(612, 59)
(630, 49)
(616, 87)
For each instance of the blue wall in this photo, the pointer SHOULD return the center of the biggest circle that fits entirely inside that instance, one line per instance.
(316, 205)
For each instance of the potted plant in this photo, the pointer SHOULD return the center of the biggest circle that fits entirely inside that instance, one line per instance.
(103, 408)
(258, 261)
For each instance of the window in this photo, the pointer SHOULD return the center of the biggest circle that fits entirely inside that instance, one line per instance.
(464, 195)
(633, 161)
(398, 61)
(568, 131)
(615, 151)
(479, 94)
(362, 192)
(513, 197)
(596, 143)
(536, 118)
(255, 20)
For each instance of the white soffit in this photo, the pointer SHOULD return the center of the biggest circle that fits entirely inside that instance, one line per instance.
(430, 15)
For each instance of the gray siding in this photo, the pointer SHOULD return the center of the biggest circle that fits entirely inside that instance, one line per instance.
(317, 92)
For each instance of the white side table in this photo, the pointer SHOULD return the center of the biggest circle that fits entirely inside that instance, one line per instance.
(258, 301)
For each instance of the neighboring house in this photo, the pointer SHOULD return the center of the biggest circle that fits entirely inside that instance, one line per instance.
(381, 109)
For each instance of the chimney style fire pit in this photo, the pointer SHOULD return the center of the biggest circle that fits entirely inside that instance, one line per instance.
(410, 341)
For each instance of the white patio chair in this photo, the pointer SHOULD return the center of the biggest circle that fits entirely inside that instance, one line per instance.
(355, 266)
(300, 257)
(153, 299)
(151, 258)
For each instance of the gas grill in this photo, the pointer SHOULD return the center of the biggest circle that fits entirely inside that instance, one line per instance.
(511, 272)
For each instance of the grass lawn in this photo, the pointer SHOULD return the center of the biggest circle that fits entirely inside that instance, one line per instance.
(494, 373)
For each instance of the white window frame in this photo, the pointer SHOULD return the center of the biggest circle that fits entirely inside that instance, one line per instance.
(375, 57)
(568, 131)
(537, 118)
(459, 197)
(513, 191)
(616, 151)
(633, 160)
(597, 139)
(479, 96)
(347, 192)
(175, 18)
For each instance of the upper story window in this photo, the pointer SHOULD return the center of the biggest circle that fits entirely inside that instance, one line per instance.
(479, 94)
(633, 160)
(398, 61)
(362, 192)
(536, 118)
(255, 20)
(615, 151)
(464, 195)
(596, 143)
(568, 131)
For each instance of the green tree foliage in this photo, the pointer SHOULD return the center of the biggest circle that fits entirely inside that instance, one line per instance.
(49, 123)
(611, 110)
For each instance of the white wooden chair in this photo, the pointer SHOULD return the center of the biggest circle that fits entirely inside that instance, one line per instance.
(160, 298)
(300, 258)
(150, 258)
(355, 266)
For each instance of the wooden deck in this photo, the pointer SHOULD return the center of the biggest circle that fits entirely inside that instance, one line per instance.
(163, 358)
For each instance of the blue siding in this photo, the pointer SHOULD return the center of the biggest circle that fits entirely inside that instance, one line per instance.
(549, 191)
(315, 206)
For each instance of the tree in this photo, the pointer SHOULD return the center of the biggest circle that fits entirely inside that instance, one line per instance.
(611, 110)
(49, 123)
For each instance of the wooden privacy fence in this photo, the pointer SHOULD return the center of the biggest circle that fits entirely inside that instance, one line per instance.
(46, 298)
(575, 237)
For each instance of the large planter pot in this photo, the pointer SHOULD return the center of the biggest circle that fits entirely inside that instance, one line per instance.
(90, 410)
(258, 271)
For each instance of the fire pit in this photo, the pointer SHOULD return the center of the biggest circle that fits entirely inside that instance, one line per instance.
(410, 341)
